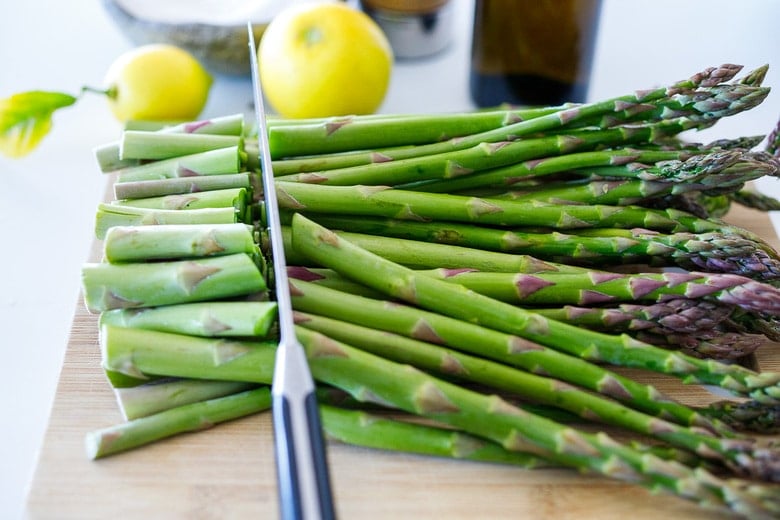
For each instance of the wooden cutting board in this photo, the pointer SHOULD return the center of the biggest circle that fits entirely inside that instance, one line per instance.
(228, 472)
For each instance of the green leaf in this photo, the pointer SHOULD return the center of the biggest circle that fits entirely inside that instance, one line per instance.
(26, 118)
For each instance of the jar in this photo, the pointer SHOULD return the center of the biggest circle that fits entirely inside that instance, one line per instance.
(532, 52)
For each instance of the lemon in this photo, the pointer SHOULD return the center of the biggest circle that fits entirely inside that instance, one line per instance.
(157, 82)
(324, 59)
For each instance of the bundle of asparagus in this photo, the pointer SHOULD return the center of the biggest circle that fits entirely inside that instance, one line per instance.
(466, 285)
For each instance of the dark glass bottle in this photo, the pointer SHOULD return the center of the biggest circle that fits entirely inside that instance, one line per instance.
(532, 52)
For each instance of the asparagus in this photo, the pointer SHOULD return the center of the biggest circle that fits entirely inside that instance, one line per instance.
(186, 418)
(144, 145)
(214, 162)
(597, 288)
(157, 396)
(614, 109)
(716, 345)
(212, 318)
(230, 197)
(712, 251)
(143, 353)
(181, 185)
(107, 155)
(139, 243)
(505, 348)
(353, 427)
(369, 377)
(117, 286)
(371, 430)
(344, 134)
(739, 455)
(748, 415)
(678, 315)
(110, 215)
(422, 255)
(381, 201)
(328, 249)
(545, 166)
(755, 200)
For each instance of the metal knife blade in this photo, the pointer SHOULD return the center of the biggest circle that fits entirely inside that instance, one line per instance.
(301, 462)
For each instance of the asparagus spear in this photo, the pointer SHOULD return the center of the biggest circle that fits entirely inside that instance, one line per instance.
(353, 427)
(614, 109)
(110, 215)
(381, 201)
(180, 185)
(416, 254)
(143, 353)
(107, 155)
(739, 455)
(214, 162)
(370, 377)
(712, 251)
(157, 396)
(505, 348)
(117, 286)
(139, 243)
(211, 318)
(328, 249)
(344, 134)
(139, 144)
(576, 289)
(186, 418)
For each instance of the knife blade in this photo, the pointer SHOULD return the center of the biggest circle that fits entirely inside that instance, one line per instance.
(301, 461)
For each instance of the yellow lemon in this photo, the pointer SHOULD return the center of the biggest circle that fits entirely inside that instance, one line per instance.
(157, 82)
(324, 59)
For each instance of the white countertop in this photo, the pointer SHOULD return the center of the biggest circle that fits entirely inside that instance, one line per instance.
(48, 199)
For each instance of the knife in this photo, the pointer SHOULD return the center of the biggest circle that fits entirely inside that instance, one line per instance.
(301, 464)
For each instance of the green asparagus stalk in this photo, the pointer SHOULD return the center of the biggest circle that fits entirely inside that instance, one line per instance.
(230, 197)
(107, 155)
(139, 144)
(370, 377)
(381, 201)
(374, 431)
(157, 396)
(424, 255)
(675, 316)
(505, 348)
(715, 252)
(597, 288)
(716, 344)
(213, 318)
(352, 427)
(755, 200)
(143, 353)
(515, 173)
(615, 109)
(140, 243)
(180, 185)
(187, 418)
(344, 134)
(117, 286)
(740, 455)
(214, 162)
(110, 215)
(328, 249)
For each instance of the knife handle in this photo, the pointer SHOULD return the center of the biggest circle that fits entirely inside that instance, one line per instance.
(304, 483)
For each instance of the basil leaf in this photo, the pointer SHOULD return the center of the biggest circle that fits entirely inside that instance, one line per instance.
(26, 118)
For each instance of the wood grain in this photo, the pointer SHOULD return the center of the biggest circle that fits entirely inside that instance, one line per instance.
(228, 471)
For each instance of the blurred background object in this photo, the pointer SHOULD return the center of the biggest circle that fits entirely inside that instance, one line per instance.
(532, 52)
(214, 31)
(415, 28)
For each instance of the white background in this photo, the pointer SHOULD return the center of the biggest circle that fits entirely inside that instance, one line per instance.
(47, 200)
